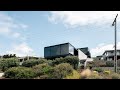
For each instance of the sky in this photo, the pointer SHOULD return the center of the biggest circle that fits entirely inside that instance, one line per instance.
(28, 32)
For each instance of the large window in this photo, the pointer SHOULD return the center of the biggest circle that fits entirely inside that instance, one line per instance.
(64, 49)
(58, 50)
(55, 50)
(71, 49)
(47, 51)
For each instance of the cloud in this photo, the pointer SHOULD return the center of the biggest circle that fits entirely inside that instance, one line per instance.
(82, 18)
(21, 50)
(16, 35)
(9, 26)
(23, 26)
(99, 50)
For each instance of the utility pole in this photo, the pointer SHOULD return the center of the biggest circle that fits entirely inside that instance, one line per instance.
(115, 51)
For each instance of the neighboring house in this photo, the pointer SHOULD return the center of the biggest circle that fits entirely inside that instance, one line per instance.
(66, 49)
(22, 59)
(99, 57)
(109, 55)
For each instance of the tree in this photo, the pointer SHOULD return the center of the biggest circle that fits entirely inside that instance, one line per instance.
(7, 63)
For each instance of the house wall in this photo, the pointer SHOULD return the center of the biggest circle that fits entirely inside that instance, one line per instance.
(88, 60)
(81, 55)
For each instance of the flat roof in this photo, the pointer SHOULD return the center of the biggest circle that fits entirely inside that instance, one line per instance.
(110, 51)
(57, 45)
(60, 44)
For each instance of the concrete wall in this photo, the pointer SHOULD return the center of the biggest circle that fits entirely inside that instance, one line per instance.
(88, 60)
(81, 55)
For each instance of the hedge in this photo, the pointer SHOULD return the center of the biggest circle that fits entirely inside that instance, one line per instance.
(62, 70)
(33, 62)
(19, 73)
(7, 63)
(72, 60)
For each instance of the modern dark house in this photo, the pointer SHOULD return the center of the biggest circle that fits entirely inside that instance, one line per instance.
(109, 55)
(60, 50)
(66, 49)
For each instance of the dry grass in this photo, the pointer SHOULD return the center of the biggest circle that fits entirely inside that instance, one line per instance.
(85, 73)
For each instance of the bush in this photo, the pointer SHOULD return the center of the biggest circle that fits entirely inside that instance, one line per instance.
(7, 63)
(43, 69)
(50, 62)
(44, 77)
(62, 70)
(115, 76)
(107, 72)
(19, 73)
(98, 70)
(110, 64)
(33, 62)
(97, 63)
(81, 67)
(95, 72)
(95, 76)
(72, 60)
(73, 75)
(58, 61)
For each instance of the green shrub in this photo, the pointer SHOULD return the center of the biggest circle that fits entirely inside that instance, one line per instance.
(58, 61)
(110, 63)
(33, 62)
(19, 73)
(62, 70)
(98, 70)
(7, 63)
(41, 61)
(115, 76)
(43, 69)
(72, 60)
(50, 62)
(89, 65)
(98, 63)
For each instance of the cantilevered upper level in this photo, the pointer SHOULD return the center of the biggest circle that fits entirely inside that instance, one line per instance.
(60, 50)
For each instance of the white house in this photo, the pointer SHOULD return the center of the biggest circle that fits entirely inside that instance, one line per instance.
(83, 59)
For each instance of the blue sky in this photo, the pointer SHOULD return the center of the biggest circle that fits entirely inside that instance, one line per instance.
(28, 32)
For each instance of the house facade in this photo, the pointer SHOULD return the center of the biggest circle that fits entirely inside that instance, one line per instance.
(108, 55)
(60, 50)
(66, 49)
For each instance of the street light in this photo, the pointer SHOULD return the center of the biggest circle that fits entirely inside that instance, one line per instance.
(115, 52)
